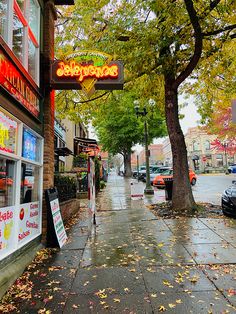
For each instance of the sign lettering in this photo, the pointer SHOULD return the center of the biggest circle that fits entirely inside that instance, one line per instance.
(16, 85)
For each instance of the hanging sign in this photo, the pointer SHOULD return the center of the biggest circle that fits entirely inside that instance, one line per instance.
(15, 84)
(88, 71)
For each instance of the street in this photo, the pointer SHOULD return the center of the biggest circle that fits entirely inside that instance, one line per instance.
(208, 188)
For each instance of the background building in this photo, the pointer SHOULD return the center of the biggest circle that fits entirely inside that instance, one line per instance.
(203, 156)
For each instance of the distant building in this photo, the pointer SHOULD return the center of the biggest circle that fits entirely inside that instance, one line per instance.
(156, 155)
(167, 153)
(202, 155)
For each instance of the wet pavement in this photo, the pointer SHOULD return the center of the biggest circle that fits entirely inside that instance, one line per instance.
(132, 262)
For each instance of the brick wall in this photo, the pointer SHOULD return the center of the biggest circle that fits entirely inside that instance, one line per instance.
(69, 208)
(49, 18)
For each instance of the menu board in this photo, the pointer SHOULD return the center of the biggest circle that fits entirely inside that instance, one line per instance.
(7, 236)
(29, 222)
(58, 222)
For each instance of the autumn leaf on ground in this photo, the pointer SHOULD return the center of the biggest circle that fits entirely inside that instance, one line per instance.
(126, 289)
(153, 295)
(162, 309)
(75, 306)
(178, 301)
(171, 305)
(194, 279)
(116, 300)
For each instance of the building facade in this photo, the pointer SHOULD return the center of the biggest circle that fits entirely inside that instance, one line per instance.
(156, 155)
(26, 130)
(203, 156)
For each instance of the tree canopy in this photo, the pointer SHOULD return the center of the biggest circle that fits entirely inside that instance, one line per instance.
(162, 43)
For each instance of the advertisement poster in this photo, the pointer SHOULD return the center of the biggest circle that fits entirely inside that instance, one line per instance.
(91, 181)
(29, 145)
(58, 222)
(29, 222)
(7, 235)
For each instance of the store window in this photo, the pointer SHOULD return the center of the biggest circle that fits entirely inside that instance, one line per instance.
(30, 146)
(207, 145)
(7, 182)
(3, 19)
(24, 27)
(195, 146)
(8, 133)
(18, 37)
(29, 183)
(219, 160)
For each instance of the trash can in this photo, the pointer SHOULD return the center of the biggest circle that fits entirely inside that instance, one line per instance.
(168, 188)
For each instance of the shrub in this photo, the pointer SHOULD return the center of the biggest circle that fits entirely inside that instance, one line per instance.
(66, 187)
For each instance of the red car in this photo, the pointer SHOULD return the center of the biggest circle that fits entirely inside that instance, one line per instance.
(168, 174)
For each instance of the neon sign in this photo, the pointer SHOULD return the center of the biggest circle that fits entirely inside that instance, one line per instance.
(12, 80)
(87, 71)
(84, 71)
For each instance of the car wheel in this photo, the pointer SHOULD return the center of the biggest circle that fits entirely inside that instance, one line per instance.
(193, 182)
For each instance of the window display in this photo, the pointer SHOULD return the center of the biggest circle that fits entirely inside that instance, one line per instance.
(7, 180)
(29, 145)
(20, 184)
(29, 183)
(8, 131)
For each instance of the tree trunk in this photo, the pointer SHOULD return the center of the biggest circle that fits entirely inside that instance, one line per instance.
(182, 197)
(127, 165)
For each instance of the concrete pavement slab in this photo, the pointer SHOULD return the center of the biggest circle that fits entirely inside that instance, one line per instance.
(176, 279)
(219, 223)
(197, 302)
(212, 253)
(184, 223)
(129, 303)
(164, 255)
(75, 243)
(117, 280)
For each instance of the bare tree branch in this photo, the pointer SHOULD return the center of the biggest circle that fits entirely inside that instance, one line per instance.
(218, 31)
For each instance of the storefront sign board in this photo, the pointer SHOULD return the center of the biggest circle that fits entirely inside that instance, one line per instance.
(29, 222)
(16, 85)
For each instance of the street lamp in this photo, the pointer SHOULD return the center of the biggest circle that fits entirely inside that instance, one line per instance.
(225, 145)
(148, 189)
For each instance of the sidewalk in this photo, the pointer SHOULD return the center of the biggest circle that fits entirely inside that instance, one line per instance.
(133, 263)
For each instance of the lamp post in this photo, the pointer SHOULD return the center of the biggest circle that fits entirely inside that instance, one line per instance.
(148, 189)
(225, 145)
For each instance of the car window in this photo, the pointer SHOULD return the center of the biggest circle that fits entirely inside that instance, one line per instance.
(167, 172)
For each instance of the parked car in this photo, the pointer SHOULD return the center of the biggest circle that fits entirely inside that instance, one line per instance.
(168, 174)
(228, 200)
(232, 168)
(153, 174)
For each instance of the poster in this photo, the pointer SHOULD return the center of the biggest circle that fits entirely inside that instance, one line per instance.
(58, 222)
(29, 222)
(7, 227)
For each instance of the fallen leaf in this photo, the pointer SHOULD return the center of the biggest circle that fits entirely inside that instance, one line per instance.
(162, 309)
(116, 300)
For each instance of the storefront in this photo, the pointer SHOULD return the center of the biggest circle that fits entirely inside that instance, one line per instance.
(21, 135)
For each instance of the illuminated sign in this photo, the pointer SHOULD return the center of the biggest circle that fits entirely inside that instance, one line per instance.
(87, 70)
(75, 70)
(13, 81)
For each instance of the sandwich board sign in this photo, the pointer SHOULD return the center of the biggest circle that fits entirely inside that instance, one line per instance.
(136, 189)
(56, 235)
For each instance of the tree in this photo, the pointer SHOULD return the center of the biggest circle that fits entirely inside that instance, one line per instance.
(164, 40)
(119, 129)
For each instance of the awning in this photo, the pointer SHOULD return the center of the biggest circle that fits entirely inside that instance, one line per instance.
(63, 151)
(64, 2)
